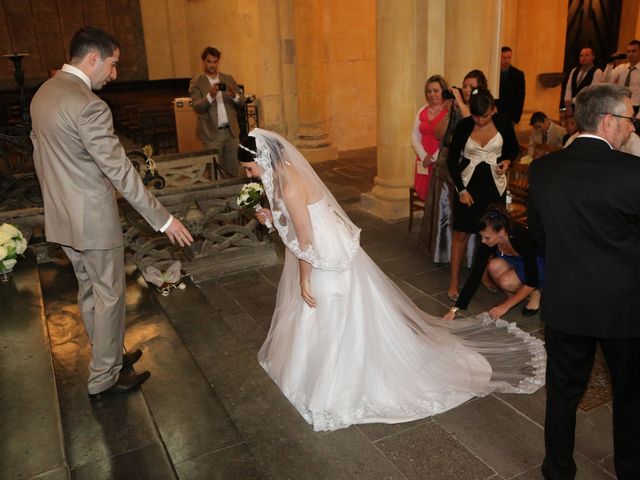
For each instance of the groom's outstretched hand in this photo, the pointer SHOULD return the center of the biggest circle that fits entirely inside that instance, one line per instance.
(177, 232)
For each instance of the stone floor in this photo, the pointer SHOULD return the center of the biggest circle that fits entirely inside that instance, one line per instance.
(210, 412)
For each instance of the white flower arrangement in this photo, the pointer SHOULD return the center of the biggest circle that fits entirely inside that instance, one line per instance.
(250, 195)
(12, 244)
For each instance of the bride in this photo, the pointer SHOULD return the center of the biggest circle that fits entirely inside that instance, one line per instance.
(346, 345)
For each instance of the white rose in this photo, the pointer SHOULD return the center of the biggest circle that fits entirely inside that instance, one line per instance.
(4, 237)
(8, 264)
(10, 230)
(21, 246)
(3, 252)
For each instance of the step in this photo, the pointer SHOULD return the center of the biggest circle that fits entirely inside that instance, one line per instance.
(172, 427)
(30, 426)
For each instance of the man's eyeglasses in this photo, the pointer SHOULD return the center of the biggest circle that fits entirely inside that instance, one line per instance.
(634, 121)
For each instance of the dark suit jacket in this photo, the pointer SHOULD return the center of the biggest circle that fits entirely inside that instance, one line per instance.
(80, 164)
(207, 127)
(584, 204)
(512, 89)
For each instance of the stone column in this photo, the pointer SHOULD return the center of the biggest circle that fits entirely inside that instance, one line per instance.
(473, 40)
(314, 138)
(410, 40)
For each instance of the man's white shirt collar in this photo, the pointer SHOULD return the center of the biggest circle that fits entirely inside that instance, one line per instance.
(78, 73)
(591, 135)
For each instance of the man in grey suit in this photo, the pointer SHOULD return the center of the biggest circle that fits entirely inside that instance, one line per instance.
(216, 98)
(80, 164)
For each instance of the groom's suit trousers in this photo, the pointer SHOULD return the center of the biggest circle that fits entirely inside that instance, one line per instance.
(101, 299)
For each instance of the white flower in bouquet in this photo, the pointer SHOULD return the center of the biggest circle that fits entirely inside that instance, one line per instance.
(12, 244)
(250, 195)
(10, 230)
(21, 245)
(4, 237)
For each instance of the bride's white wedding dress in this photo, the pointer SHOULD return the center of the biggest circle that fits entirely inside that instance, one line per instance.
(366, 353)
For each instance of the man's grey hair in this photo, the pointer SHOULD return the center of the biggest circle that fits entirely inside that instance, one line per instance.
(594, 101)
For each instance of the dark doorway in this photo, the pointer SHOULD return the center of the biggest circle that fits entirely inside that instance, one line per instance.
(591, 23)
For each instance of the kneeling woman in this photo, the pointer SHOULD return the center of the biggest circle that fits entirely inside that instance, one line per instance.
(514, 264)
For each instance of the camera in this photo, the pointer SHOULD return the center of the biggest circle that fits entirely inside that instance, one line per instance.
(222, 87)
(619, 56)
(448, 95)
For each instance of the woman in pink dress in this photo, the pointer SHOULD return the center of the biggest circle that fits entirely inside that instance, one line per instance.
(428, 130)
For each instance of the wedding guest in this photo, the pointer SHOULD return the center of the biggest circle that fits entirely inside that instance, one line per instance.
(571, 128)
(483, 147)
(437, 222)
(546, 136)
(216, 98)
(512, 87)
(510, 255)
(581, 77)
(428, 130)
(626, 74)
(584, 206)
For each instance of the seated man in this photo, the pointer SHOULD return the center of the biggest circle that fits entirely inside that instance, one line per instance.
(546, 136)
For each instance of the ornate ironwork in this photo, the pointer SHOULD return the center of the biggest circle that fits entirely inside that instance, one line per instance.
(224, 237)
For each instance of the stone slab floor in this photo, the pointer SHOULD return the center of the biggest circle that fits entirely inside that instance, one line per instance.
(210, 412)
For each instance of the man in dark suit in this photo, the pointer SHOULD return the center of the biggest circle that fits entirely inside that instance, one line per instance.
(216, 98)
(80, 164)
(584, 204)
(512, 87)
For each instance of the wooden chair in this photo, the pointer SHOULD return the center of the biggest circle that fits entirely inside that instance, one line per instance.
(415, 203)
(519, 188)
(519, 182)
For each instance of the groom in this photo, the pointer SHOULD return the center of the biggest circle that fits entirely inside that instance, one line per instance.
(584, 204)
(80, 164)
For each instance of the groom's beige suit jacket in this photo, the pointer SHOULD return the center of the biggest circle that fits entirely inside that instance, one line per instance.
(80, 164)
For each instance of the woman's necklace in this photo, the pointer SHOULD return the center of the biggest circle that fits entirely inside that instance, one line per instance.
(435, 109)
(506, 249)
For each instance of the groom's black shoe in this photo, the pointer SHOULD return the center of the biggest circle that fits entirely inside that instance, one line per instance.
(126, 383)
(129, 358)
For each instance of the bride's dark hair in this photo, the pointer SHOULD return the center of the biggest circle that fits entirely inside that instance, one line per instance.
(248, 143)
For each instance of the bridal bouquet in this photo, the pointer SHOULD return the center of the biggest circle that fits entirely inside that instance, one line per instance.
(12, 244)
(250, 195)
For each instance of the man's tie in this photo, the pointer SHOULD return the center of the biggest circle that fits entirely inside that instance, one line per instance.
(627, 81)
(544, 138)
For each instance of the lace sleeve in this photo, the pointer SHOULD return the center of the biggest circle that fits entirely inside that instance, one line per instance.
(299, 214)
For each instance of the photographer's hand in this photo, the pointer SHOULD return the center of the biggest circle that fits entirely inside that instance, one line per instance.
(214, 90)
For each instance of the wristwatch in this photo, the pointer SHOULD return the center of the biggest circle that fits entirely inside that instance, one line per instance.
(454, 309)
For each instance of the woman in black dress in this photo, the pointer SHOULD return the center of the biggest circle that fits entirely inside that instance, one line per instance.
(482, 149)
